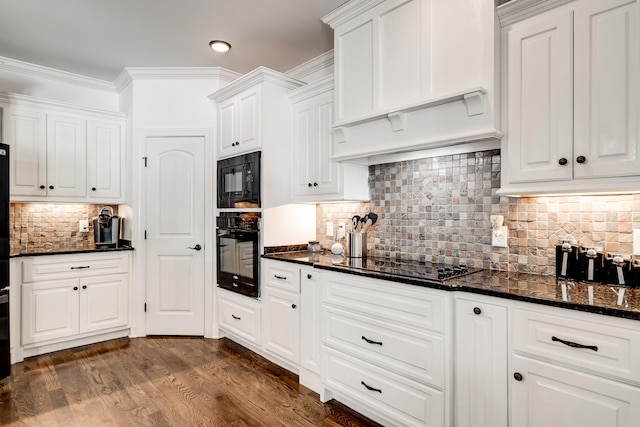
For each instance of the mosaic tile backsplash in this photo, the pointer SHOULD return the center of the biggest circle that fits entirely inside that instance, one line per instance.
(437, 210)
(43, 227)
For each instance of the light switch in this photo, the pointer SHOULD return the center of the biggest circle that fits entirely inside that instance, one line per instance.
(329, 228)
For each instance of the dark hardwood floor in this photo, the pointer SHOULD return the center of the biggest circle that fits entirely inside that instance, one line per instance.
(162, 381)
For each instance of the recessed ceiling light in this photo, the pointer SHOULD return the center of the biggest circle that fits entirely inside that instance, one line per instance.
(219, 45)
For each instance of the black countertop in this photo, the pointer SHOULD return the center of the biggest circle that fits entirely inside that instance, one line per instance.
(611, 300)
(65, 250)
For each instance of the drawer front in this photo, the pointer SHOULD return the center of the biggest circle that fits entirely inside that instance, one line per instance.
(608, 348)
(240, 318)
(417, 307)
(280, 275)
(420, 356)
(62, 266)
(393, 396)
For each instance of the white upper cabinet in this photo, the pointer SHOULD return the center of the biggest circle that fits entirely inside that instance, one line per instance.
(412, 74)
(63, 153)
(254, 113)
(570, 97)
(239, 123)
(316, 176)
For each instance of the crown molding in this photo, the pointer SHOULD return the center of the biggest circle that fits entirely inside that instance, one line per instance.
(35, 102)
(310, 90)
(347, 11)
(517, 10)
(318, 63)
(21, 67)
(130, 74)
(259, 75)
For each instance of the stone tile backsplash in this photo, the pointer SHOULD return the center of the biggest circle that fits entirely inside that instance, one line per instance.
(437, 210)
(36, 226)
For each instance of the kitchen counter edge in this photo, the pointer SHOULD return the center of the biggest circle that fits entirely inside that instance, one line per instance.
(68, 251)
(537, 289)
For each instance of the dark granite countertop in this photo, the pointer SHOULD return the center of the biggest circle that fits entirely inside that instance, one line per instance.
(65, 251)
(611, 300)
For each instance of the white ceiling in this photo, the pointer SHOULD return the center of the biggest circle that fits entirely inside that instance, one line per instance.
(99, 38)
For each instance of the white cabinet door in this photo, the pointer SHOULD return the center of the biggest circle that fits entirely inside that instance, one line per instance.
(227, 113)
(282, 323)
(310, 319)
(539, 87)
(49, 310)
(326, 169)
(249, 124)
(66, 156)
(104, 160)
(480, 364)
(607, 91)
(104, 302)
(545, 395)
(26, 133)
(303, 149)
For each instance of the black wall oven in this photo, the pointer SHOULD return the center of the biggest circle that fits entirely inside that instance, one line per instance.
(239, 181)
(237, 250)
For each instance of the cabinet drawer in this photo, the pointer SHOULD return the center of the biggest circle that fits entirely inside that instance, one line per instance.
(417, 307)
(240, 317)
(417, 355)
(612, 348)
(281, 275)
(63, 266)
(392, 396)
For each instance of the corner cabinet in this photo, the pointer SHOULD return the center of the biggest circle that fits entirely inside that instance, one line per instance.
(571, 96)
(63, 153)
(316, 176)
(69, 300)
(254, 113)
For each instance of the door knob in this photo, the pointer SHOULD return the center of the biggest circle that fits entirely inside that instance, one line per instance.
(195, 248)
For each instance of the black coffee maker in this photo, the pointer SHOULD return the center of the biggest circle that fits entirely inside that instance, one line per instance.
(107, 228)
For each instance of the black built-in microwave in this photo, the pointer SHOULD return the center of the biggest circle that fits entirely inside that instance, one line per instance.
(239, 181)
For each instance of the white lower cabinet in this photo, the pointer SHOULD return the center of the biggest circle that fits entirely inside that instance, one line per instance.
(545, 395)
(481, 355)
(240, 315)
(69, 297)
(386, 349)
(309, 372)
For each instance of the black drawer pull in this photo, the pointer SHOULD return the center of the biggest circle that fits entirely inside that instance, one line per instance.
(236, 317)
(280, 277)
(371, 341)
(81, 267)
(370, 388)
(574, 344)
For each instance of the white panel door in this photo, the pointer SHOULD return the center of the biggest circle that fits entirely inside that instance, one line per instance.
(607, 88)
(104, 159)
(326, 169)
(303, 143)
(175, 226)
(227, 122)
(281, 323)
(550, 396)
(249, 120)
(104, 302)
(540, 113)
(26, 132)
(66, 156)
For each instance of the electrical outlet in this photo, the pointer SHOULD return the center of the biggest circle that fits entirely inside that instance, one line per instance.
(499, 236)
(329, 228)
(83, 226)
(341, 230)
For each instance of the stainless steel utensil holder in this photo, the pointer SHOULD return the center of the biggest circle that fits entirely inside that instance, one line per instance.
(357, 245)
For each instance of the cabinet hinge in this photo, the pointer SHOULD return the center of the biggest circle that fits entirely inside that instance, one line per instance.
(145, 161)
(145, 307)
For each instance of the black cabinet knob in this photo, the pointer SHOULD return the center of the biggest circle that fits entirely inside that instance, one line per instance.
(308, 276)
(93, 188)
(51, 187)
(581, 159)
(309, 185)
(293, 306)
(84, 286)
(477, 310)
(75, 288)
(42, 187)
(517, 376)
(562, 161)
(315, 184)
